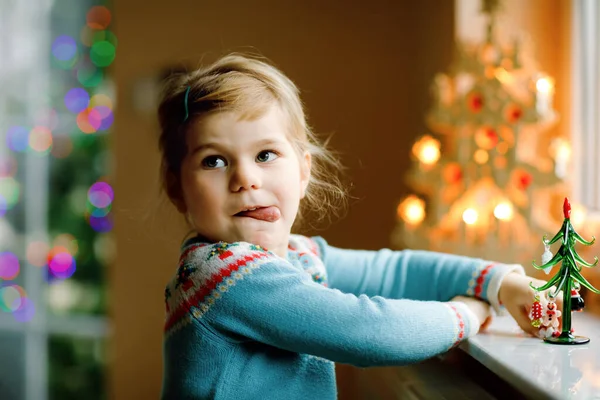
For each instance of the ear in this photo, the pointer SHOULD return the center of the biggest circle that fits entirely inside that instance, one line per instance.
(305, 166)
(174, 192)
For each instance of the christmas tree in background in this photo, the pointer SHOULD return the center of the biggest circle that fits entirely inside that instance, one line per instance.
(569, 278)
(488, 154)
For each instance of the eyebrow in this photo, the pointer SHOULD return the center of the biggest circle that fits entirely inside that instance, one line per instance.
(216, 146)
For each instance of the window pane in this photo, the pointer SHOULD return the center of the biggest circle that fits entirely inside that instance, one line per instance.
(12, 367)
(76, 368)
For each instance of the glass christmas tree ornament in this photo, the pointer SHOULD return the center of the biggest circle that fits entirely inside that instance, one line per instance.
(568, 279)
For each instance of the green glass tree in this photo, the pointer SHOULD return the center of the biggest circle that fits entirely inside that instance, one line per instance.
(568, 277)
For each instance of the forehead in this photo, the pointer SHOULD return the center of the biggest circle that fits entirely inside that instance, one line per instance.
(229, 127)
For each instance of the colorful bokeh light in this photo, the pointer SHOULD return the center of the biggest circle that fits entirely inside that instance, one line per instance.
(102, 53)
(11, 297)
(61, 263)
(17, 138)
(101, 224)
(37, 253)
(67, 241)
(8, 166)
(3, 206)
(100, 194)
(77, 100)
(90, 75)
(64, 48)
(10, 191)
(62, 146)
(9, 266)
(98, 17)
(40, 139)
(26, 310)
(89, 120)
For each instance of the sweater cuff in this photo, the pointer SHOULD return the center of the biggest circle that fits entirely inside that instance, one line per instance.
(495, 283)
(467, 322)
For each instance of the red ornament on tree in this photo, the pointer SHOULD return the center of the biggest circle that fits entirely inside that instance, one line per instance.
(475, 101)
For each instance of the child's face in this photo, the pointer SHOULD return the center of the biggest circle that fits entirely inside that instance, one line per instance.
(235, 165)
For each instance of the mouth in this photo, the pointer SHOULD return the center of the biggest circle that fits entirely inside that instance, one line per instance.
(261, 213)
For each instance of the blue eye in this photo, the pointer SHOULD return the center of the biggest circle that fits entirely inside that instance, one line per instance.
(213, 162)
(266, 156)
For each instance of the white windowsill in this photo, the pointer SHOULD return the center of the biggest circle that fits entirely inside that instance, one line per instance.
(537, 369)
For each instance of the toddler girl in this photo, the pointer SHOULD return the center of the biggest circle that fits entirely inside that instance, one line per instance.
(256, 312)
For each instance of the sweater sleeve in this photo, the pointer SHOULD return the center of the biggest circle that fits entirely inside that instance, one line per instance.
(256, 295)
(417, 275)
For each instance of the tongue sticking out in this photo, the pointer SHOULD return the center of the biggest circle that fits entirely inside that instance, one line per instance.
(268, 214)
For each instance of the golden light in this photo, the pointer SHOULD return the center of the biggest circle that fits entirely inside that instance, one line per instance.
(504, 211)
(578, 214)
(481, 156)
(502, 148)
(427, 150)
(470, 216)
(412, 210)
(560, 149)
(504, 76)
(544, 85)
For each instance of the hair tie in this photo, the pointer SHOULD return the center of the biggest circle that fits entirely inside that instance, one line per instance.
(185, 103)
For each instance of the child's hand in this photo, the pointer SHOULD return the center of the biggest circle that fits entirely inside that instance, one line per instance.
(517, 296)
(480, 308)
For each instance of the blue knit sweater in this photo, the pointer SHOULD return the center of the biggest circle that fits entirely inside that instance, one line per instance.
(244, 323)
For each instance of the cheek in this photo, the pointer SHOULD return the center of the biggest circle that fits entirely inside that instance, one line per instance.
(200, 193)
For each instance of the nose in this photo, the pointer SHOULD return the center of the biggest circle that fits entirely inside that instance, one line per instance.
(244, 176)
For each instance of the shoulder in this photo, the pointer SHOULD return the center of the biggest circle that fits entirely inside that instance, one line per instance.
(206, 268)
(315, 245)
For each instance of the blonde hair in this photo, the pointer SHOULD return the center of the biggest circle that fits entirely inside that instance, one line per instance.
(247, 85)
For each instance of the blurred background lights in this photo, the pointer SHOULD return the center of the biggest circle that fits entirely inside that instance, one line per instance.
(9, 266)
(64, 295)
(98, 17)
(101, 99)
(64, 48)
(102, 53)
(504, 211)
(77, 100)
(8, 166)
(37, 253)
(101, 224)
(67, 241)
(9, 190)
(62, 146)
(99, 212)
(40, 139)
(17, 138)
(89, 75)
(100, 194)
(26, 310)
(3, 206)
(61, 264)
(470, 216)
(89, 120)
(106, 117)
(412, 210)
(11, 297)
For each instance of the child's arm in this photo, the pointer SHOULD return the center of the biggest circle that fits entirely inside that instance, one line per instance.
(249, 294)
(417, 275)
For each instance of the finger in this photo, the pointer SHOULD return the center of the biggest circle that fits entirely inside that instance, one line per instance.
(524, 322)
(486, 323)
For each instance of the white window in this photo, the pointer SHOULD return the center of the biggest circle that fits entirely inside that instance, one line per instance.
(586, 103)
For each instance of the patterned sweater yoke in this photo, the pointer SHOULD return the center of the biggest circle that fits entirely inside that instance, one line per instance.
(243, 322)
